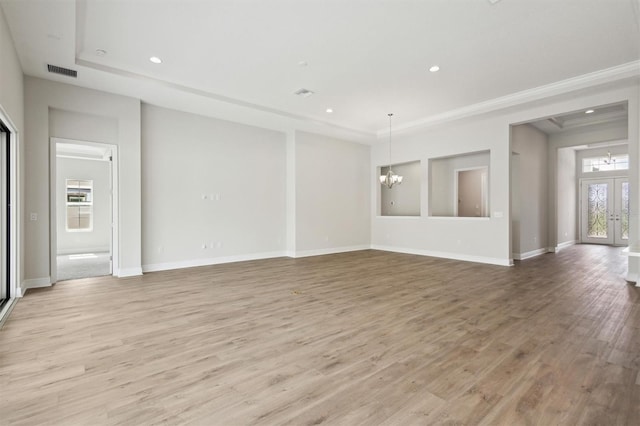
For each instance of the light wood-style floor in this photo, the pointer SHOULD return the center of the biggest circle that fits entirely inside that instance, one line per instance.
(357, 338)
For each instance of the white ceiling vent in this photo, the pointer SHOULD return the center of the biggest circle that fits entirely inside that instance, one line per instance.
(62, 71)
(305, 93)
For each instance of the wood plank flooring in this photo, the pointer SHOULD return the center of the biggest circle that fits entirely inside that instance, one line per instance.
(357, 338)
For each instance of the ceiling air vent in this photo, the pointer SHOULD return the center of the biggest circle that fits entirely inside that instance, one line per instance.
(62, 71)
(305, 93)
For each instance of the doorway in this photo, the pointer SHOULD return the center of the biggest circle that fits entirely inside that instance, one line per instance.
(604, 211)
(472, 187)
(83, 217)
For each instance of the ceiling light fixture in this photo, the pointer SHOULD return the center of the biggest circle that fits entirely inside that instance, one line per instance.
(155, 60)
(101, 52)
(589, 111)
(329, 110)
(434, 68)
(389, 179)
(303, 63)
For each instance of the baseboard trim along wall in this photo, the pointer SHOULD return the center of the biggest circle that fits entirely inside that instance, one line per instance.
(210, 261)
(530, 254)
(129, 272)
(332, 250)
(565, 245)
(445, 255)
(104, 249)
(33, 283)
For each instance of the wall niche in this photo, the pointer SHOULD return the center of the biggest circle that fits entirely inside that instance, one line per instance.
(459, 185)
(402, 199)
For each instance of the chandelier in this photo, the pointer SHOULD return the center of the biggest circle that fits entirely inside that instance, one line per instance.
(390, 178)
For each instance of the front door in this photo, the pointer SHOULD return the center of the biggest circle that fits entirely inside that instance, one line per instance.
(605, 211)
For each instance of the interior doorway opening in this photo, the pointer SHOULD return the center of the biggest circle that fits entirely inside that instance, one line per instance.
(84, 215)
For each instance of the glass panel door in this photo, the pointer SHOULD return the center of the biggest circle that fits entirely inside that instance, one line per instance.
(605, 211)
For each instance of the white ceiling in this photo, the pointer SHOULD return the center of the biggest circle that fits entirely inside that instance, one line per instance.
(365, 57)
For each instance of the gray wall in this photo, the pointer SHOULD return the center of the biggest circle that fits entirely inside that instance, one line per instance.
(332, 194)
(213, 183)
(12, 103)
(72, 112)
(442, 182)
(529, 190)
(99, 238)
(567, 183)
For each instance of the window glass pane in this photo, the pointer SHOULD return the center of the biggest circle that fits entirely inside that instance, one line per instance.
(605, 163)
(597, 211)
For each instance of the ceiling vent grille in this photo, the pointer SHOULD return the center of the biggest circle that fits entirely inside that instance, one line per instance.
(305, 93)
(62, 71)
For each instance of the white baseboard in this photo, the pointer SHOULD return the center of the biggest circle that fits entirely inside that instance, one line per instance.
(333, 250)
(33, 283)
(446, 255)
(565, 245)
(210, 261)
(84, 250)
(129, 272)
(530, 254)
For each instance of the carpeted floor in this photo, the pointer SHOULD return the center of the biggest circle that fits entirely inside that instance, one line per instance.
(74, 266)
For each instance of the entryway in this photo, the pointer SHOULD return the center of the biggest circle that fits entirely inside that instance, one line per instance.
(604, 212)
(83, 215)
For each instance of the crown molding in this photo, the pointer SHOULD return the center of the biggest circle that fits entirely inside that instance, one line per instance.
(608, 75)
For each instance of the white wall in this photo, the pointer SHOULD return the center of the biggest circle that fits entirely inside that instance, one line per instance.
(241, 170)
(44, 100)
(332, 194)
(99, 238)
(530, 189)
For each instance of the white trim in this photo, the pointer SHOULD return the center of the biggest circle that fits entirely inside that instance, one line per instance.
(607, 75)
(632, 278)
(128, 272)
(35, 283)
(209, 261)
(446, 255)
(530, 254)
(6, 310)
(565, 245)
(84, 250)
(112, 149)
(333, 250)
(15, 211)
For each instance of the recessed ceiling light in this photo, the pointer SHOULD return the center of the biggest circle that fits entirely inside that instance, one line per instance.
(434, 68)
(589, 111)
(329, 110)
(101, 52)
(303, 63)
(155, 60)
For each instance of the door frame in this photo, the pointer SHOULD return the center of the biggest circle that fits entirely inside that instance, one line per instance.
(53, 223)
(484, 189)
(613, 240)
(13, 212)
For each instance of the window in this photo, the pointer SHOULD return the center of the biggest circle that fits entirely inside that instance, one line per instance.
(79, 205)
(605, 163)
